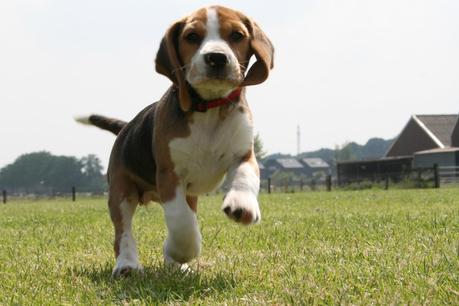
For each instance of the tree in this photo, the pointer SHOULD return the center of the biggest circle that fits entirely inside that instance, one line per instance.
(91, 165)
(345, 152)
(42, 172)
(27, 171)
(260, 153)
(64, 172)
(94, 180)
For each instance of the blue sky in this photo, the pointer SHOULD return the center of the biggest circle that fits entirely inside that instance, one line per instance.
(344, 70)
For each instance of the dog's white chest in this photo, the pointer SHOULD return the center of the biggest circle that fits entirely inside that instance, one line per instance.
(202, 159)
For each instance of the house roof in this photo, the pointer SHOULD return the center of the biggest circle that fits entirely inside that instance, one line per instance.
(439, 127)
(383, 159)
(289, 163)
(438, 150)
(455, 136)
(315, 162)
(424, 132)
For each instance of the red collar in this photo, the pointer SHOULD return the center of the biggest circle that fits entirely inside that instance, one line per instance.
(202, 106)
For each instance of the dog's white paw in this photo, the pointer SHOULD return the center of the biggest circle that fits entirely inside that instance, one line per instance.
(125, 268)
(170, 263)
(241, 206)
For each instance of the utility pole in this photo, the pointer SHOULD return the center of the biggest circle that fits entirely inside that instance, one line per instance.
(298, 140)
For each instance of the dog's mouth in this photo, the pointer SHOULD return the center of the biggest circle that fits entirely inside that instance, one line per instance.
(225, 74)
(214, 83)
(214, 88)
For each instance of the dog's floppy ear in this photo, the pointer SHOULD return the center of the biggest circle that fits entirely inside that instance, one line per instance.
(264, 52)
(168, 63)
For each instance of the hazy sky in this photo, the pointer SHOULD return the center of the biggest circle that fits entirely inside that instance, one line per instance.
(344, 70)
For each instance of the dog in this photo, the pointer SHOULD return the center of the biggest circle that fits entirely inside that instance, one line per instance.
(198, 133)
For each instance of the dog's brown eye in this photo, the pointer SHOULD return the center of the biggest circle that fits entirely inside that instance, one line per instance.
(192, 38)
(236, 36)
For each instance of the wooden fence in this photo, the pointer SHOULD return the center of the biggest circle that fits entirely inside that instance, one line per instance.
(298, 184)
(416, 178)
(429, 177)
(449, 175)
(71, 194)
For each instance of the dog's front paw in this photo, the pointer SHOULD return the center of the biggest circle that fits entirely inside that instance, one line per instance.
(241, 206)
(172, 264)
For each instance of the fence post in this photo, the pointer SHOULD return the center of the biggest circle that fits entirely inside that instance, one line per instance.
(419, 182)
(328, 182)
(269, 185)
(338, 174)
(4, 196)
(73, 194)
(301, 184)
(436, 176)
(386, 185)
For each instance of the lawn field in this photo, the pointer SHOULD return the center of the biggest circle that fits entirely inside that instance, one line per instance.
(355, 247)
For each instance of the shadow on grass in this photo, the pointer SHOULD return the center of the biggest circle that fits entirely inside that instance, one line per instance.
(156, 284)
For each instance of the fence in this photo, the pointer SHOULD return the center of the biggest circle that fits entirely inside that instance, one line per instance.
(428, 177)
(411, 178)
(297, 184)
(449, 175)
(71, 193)
(434, 177)
(415, 178)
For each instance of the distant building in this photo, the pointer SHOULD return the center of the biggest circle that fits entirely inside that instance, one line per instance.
(373, 170)
(425, 132)
(455, 135)
(424, 141)
(442, 157)
(284, 164)
(314, 166)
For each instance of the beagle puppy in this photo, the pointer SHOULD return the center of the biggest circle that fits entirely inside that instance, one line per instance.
(197, 134)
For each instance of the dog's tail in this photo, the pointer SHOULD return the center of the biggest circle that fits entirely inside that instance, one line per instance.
(105, 123)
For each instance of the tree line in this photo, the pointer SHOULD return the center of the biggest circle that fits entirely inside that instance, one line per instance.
(45, 173)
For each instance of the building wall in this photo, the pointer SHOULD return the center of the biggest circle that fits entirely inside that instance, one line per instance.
(374, 170)
(272, 166)
(427, 160)
(308, 171)
(412, 139)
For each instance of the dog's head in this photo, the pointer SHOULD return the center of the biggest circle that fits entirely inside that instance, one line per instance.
(210, 50)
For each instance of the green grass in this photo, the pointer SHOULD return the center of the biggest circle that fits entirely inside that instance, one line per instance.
(360, 247)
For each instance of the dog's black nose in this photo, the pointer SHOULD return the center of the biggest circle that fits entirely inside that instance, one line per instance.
(216, 60)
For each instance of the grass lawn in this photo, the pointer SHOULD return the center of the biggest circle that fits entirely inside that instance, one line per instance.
(356, 247)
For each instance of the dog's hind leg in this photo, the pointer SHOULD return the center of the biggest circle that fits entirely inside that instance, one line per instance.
(121, 211)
